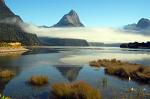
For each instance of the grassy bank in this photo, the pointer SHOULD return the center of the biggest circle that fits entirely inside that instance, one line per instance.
(126, 70)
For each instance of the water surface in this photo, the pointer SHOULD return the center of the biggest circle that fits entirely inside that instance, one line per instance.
(69, 64)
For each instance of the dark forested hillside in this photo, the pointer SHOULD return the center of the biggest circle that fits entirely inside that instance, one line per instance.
(62, 42)
(136, 45)
(13, 33)
(10, 30)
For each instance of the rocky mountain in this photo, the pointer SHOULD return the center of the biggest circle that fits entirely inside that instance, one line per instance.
(141, 27)
(62, 42)
(10, 29)
(6, 15)
(143, 23)
(70, 20)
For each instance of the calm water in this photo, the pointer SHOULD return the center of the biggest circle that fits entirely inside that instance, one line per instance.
(68, 64)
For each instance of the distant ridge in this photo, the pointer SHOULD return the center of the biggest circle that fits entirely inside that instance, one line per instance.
(141, 27)
(69, 20)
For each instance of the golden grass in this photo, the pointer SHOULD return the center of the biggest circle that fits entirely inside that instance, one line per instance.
(124, 69)
(6, 74)
(38, 80)
(77, 90)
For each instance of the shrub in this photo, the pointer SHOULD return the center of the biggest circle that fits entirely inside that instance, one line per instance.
(38, 80)
(77, 90)
(94, 64)
(118, 68)
(6, 74)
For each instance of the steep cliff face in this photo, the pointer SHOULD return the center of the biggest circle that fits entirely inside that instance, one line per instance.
(6, 15)
(70, 20)
(10, 30)
(4, 10)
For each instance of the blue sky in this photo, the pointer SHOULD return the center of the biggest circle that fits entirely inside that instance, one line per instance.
(93, 13)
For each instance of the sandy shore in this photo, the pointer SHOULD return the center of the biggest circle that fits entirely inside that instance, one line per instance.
(11, 50)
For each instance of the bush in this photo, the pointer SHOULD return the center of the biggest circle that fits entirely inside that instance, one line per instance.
(38, 80)
(6, 74)
(77, 90)
(94, 64)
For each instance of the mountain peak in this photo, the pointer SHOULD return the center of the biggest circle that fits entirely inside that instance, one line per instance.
(143, 23)
(70, 20)
(72, 12)
(5, 12)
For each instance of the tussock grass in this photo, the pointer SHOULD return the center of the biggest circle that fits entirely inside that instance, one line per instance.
(6, 74)
(77, 90)
(124, 69)
(38, 80)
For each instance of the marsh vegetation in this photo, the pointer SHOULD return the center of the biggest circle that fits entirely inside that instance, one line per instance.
(76, 90)
(127, 70)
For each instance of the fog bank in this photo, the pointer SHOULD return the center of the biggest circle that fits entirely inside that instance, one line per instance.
(91, 34)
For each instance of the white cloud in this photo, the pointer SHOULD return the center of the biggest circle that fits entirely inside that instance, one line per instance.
(97, 34)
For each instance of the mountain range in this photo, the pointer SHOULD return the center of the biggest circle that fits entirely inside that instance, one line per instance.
(141, 27)
(11, 29)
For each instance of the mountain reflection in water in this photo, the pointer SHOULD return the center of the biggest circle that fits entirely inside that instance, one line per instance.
(69, 72)
(65, 65)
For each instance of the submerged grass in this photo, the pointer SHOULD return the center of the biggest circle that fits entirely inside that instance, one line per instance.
(124, 69)
(77, 90)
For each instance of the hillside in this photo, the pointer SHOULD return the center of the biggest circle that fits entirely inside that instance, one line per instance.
(10, 30)
(62, 42)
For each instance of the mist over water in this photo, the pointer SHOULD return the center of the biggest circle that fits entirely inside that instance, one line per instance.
(91, 34)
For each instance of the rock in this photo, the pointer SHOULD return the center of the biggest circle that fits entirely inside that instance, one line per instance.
(70, 20)
(143, 23)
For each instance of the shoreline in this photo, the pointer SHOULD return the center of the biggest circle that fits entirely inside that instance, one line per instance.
(11, 50)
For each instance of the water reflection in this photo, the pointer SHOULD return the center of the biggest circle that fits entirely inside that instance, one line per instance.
(69, 72)
(130, 57)
(67, 65)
